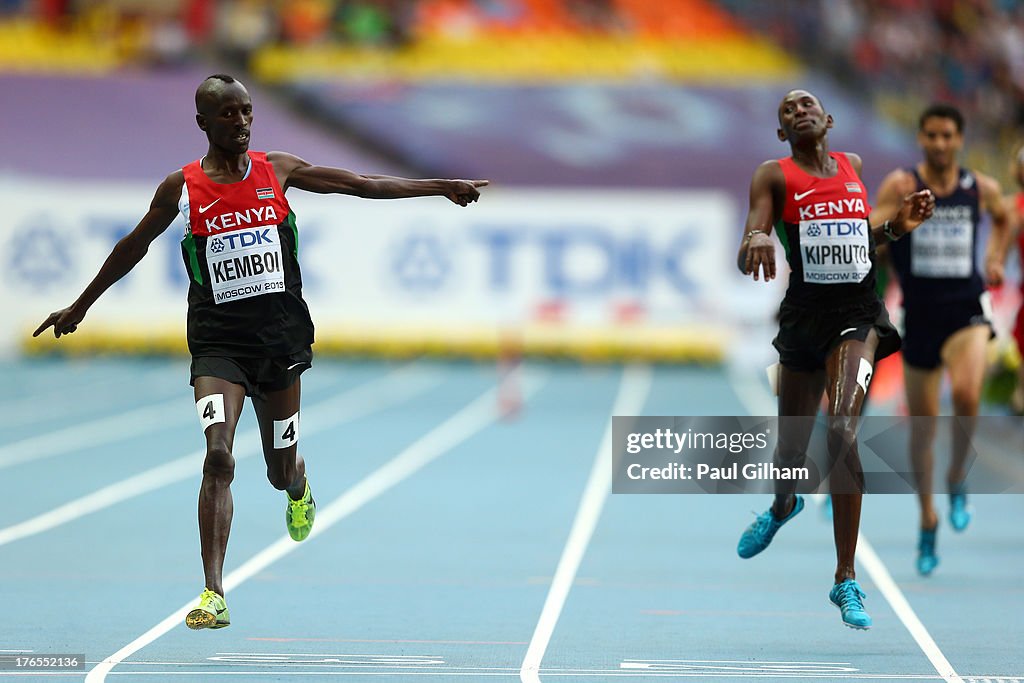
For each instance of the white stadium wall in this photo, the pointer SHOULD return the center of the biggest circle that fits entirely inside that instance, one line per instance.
(597, 274)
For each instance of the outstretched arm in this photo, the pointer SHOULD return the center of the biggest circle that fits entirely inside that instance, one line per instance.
(295, 172)
(1001, 238)
(891, 192)
(125, 255)
(898, 208)
(757, 251)
(914, 209)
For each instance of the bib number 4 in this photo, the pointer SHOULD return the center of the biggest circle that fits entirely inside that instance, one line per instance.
(286, 432)
(210, 410)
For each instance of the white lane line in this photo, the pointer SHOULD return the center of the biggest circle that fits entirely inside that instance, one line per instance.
(880, 575)
(755, 400)
(73, 400)
(462, 672)
(758, 402)
(195, 675)
(480, 413)
(633, 391)
(108, 429)
(374, 395)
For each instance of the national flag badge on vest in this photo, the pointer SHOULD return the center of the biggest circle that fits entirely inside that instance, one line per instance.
(264, 193)
(850, 187)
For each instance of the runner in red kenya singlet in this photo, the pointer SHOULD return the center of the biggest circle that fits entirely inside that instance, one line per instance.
(832, 325)
(249, 329)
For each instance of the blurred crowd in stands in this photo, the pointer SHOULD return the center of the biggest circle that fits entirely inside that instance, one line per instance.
(241, 26)
(166, 31)
(905, 54)
(902, 54)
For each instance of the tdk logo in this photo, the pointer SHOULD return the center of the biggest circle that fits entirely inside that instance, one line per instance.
(836, 228)
(248, 238)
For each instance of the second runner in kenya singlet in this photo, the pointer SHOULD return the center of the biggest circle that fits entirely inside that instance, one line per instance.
(241, 252)
(831, 295)
(828, 240)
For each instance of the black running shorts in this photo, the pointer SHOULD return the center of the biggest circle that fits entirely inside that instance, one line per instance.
(257, 375)
(808, 335)
(926, 327)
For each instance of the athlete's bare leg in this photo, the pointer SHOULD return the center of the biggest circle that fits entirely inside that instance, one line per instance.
(215, 505)
(964, 355)
(277, 414)
(922, 387)
(799, 396)
(846, 399)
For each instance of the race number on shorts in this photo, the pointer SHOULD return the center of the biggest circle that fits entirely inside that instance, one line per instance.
(773, 377)
(864, 374)
(985, 300)
(210, 409)
(286, 432)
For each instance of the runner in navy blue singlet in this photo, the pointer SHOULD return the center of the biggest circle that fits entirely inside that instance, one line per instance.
(249, 329)
(832, 324)
(947, 315)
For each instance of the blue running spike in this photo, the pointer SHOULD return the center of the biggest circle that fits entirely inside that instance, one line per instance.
(849, 598)
(959, 512)
(927, 560)
(760, 533)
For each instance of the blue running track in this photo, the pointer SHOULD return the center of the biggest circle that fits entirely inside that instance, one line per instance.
(454, 545)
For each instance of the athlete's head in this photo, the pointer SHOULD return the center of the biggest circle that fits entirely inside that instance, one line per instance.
(940, 133)
(802, 116)
(224, 113)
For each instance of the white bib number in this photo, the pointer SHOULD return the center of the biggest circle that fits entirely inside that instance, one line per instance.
(943, 246)
(864, 372)
(245, 263)
(835, 250)
(286, 432)
(210, 409)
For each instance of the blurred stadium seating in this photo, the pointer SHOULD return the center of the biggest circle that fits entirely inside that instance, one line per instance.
(896, 54)
(904, 54)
